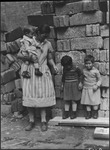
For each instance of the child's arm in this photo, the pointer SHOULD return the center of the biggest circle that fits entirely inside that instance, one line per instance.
(80, 75)
(98, 84)
(28, 46)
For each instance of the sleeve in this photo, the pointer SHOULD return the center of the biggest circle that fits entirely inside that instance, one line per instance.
(99, 80)
(50, 51)
(80, 74)
(28, 46)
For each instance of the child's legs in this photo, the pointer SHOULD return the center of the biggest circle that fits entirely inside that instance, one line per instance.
(35, 60)
(66, 105)
(88, 108)
(95, 107)
(74, 106)
(31, 114)
(43, 115)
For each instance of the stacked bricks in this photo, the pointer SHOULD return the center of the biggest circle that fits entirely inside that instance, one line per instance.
(11, 88)
(82, 27)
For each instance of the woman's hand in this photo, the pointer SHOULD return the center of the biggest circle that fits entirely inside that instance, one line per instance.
(80, 86)
(95, 87)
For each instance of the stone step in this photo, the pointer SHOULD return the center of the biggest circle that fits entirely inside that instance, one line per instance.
(80, 121)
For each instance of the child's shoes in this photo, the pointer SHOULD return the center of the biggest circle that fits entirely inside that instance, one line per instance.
(95, 114)
(37, 72)
(65, 114)
(73, 115)
(26, 74)
(88, 115)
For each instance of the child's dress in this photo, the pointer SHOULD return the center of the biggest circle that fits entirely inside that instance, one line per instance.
(71, 79)
(89, 96)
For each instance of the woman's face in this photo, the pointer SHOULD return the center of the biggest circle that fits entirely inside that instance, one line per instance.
(42, 37)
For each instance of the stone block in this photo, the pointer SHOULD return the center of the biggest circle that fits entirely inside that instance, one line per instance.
(58, 80)
(105, 81)
(107, 68)
(9, 87)
(81, 113)
(57, 92)
(61, 21)
(3, 37)
(56, 21)
(106, 43)
(102, 68)
(78, 57)
(7, 76)
(88, 18)
(59, 55)
(105, 92)
(96, 53)
(71, 32)
(4, 66)
(104, 29)
(5, 110)
(40, 19)
(89, 30)
(3, 27)
(103, 5)
(96, 64)
(104, 104)
(90, 6)
(3, 46)
(52, 34)
(2, 58)
(89, 51)
(106, 114)
(56, 112)
(63, 45)
(68, 9)
(101, 113)
(13, 35)
(95, 29)
(16, 66)
(107, 55)
(103, 55)
(18, 93)
(47, 7)
(18, 84)
(86, 43)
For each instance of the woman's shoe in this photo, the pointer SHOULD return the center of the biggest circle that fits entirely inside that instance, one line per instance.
(26, 74)
(88, 115)
(30, 126)
(38, 73)
(44, 126)
(73, 115)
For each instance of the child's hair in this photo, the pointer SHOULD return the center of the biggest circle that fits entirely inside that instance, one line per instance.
(27, 29)
(66, 60)
(89, 58)
(44, 29)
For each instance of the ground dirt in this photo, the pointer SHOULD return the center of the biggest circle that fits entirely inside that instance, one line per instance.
(14, 136)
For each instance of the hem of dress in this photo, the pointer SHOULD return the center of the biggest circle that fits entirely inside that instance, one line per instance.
(41, 102)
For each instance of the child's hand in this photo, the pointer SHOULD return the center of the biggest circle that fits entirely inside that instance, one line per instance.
(95, 87)
(80, 86)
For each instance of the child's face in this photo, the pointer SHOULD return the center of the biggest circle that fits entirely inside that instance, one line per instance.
(88, 65)
(30, 34)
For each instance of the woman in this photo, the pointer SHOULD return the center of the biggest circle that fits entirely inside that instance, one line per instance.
(38, 92)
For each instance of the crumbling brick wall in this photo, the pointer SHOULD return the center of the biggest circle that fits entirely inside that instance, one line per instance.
(77, 29)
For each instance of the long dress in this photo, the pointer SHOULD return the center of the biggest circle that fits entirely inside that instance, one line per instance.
(39, 91)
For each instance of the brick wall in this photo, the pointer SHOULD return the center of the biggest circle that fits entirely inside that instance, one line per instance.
(76, 32)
